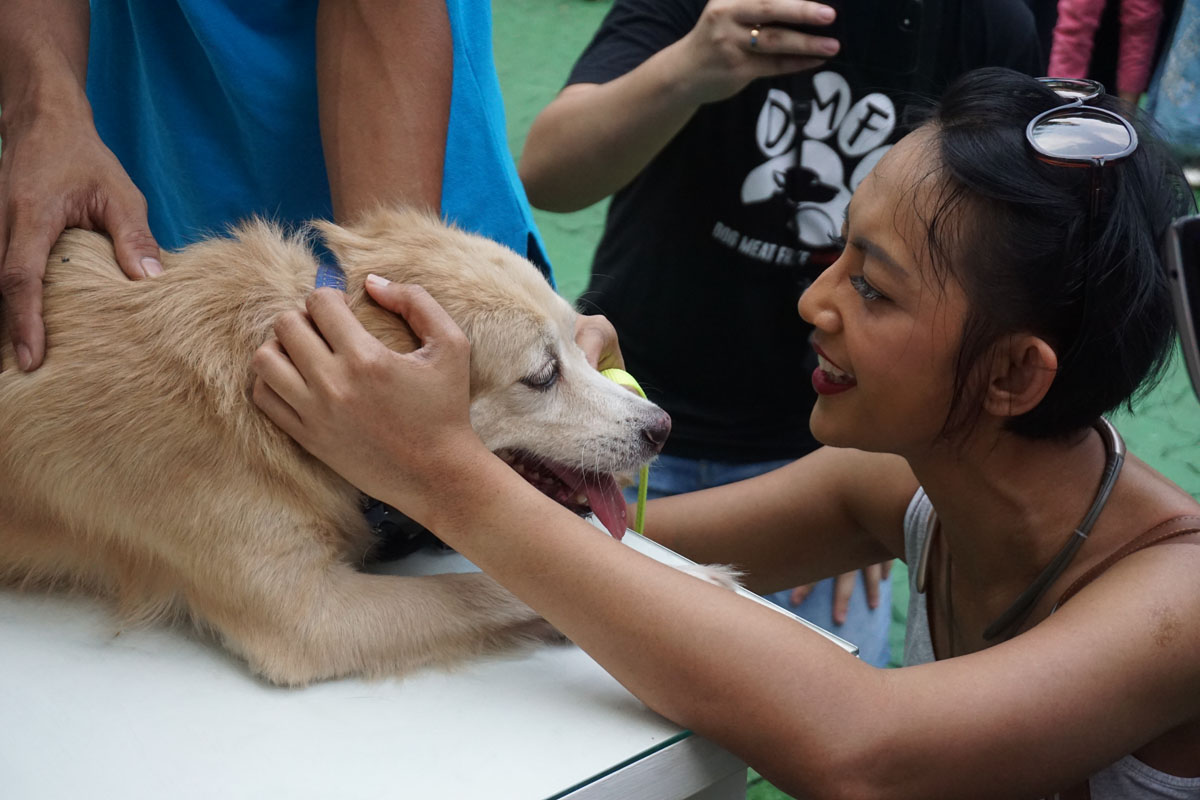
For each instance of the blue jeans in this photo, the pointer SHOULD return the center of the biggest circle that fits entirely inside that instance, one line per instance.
(864, 626)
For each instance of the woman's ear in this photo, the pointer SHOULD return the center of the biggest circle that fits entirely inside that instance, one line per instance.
(1022, 368)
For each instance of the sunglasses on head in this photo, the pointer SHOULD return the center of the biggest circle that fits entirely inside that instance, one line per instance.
(1076, 134)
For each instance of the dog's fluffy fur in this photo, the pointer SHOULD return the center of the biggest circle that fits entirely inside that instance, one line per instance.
(134, 464)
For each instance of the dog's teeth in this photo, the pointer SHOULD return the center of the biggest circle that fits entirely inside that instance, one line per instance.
(581, 499)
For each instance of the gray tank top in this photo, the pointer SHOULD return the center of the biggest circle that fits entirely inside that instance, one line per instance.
(1122, 780)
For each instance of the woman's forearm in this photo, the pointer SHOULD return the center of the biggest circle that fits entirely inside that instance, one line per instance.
(807, 715)
(782, 529)
(593, 139)
(697, 653)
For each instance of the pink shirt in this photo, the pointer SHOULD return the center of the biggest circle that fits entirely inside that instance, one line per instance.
(1075, 34)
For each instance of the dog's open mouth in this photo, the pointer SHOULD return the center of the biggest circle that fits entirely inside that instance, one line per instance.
(575, 489)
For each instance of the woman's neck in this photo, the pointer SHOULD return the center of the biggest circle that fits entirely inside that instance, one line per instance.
(1006, 505)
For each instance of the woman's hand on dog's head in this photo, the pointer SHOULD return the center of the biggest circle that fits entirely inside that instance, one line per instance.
(396, 425)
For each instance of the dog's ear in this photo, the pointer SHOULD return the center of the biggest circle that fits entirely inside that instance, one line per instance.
(344, 243)
(373, 230)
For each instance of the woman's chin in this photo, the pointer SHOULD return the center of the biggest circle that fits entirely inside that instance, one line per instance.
(828, 430)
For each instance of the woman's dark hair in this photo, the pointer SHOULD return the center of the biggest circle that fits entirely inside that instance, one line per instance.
(1022, 251)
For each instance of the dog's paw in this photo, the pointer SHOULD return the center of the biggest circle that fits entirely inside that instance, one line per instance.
(717, 574)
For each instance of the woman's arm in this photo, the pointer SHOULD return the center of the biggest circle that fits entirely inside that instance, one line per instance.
(1021, 719)
(384, 75)
(832, 511)
(1112, 670)
(594, 138)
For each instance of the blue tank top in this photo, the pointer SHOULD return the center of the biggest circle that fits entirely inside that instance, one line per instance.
(211, 106)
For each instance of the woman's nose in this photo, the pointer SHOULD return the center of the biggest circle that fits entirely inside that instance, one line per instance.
(816, 305)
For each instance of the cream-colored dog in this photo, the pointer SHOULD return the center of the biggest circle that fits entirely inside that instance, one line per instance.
(134, 464)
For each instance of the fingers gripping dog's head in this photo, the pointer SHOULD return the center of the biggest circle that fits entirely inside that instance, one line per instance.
(535, 400)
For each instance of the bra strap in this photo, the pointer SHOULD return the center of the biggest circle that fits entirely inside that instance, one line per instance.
(1176, 526)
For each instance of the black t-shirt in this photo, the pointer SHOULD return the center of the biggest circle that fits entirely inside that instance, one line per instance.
(706, 252)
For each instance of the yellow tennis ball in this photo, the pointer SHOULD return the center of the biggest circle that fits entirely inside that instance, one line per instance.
(624, 378)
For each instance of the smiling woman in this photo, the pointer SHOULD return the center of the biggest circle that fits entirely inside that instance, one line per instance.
(960, 334)
(881, 315)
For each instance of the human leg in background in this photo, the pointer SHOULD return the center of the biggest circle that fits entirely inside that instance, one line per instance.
(1140, 21)
(864, 626)
(1074, 37)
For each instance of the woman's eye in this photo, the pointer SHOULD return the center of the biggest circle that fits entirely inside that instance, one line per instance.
(864, 289)
(544, 379)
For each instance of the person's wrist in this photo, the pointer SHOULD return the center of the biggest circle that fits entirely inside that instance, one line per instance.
(462, 484)
(43, 96)
(683, 78)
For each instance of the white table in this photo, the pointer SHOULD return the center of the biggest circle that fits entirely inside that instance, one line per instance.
(90, 712)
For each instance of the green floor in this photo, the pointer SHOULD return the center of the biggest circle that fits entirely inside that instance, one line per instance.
(536, 41)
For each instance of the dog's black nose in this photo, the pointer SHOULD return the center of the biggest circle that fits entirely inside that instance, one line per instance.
(657, 431)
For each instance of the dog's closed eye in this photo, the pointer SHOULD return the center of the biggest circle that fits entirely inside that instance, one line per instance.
(544, 378)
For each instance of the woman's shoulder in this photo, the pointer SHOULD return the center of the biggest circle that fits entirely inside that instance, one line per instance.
(1150, 485)
(1149, 509)
(1143, 553)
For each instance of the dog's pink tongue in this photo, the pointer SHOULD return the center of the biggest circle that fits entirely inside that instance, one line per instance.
(608, 504)
(603, 495)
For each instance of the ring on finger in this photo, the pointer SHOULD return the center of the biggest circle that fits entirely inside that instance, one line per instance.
(755, 32)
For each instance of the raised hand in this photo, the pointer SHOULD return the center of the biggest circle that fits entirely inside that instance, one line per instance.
(736, 41)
